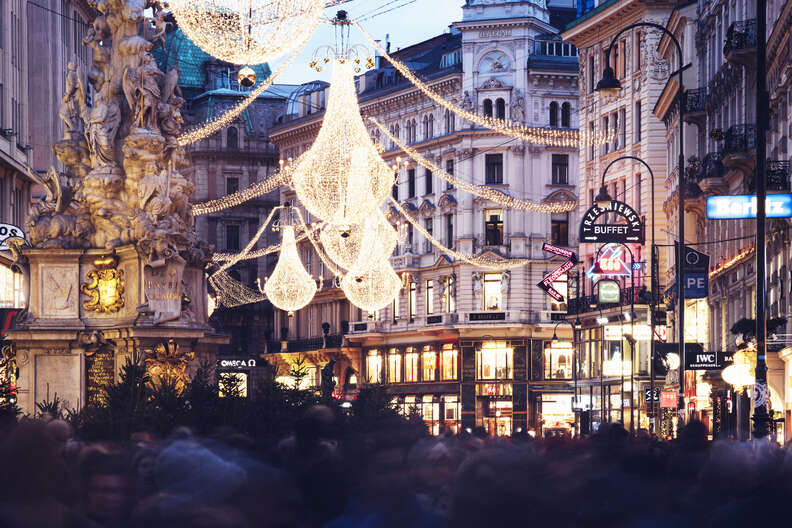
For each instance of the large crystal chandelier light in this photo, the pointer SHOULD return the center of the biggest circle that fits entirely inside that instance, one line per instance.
(361, 246)
(373, 290)
(342, 179)
(289, 287)
(247, 31)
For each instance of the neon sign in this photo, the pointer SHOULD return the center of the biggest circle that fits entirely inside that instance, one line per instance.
(611, 263)
(744, 206)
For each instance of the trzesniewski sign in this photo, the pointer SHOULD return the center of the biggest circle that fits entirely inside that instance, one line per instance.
(631, 230)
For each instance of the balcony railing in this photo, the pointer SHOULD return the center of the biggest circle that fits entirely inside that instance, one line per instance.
(778, 175)
(741, 36)
(630, 295)
(711, 166)
(315, 343)
(739, 138)
(695, 100)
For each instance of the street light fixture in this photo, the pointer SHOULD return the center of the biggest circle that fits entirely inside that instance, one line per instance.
(610, 85)
(603, 199)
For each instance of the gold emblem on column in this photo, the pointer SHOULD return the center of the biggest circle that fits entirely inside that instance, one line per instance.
(105, 287)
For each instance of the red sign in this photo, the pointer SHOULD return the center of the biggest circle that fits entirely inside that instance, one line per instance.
(556, 273)
(561, 252)
(668, 399)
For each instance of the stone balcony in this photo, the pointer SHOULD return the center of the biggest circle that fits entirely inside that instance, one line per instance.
(709, 175)
(740, 44)
(739, 144)
(695, 104)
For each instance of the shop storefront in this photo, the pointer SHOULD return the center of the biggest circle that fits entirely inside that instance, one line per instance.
(237, 376)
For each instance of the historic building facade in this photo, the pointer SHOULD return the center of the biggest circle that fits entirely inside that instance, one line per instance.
(463, 346)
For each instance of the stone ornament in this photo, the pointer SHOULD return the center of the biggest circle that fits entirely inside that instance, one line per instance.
(105, 287)
(166, 365)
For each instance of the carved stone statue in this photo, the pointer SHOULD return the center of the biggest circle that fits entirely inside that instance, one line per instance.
(504, 287)
(160, 27)
(467, 102)
(142, 91)
(518, 107)
(101, 125)
(328, 384)
(72, 104)
(477, 285)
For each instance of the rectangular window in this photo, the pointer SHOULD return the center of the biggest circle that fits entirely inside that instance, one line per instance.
(429, 297)
(232, 238)
(410, 183)
(395, 191)
(605, 128)
(591, 141)
(429, 363)
(493, 227)
(394, 366)
(374, 367)
(428, 176)
(558, 360)
(449, 299)
(450, 170)
(637, 51)
(616, 57)
(493, 296)
(449, 218)
(621, 60)
(411, 365)
(232, 185)
(561, 285)
(560, 169)
(429, 224)
(623, 131)
(592, 73)
(559, 229)
(493, 169)
(637, 121)
(413, 301)
(494, 361)
(448, 362)
(616, 136)
(637, 193)
(395, 308)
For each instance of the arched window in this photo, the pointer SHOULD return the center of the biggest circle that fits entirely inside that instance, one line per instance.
(426, 127)
(431, 126)
(232, 139)
(553, 114)
(566, 109)
(500, 109)
(488, 107)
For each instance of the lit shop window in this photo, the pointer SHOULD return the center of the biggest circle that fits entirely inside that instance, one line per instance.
(451, 407)
(394, 366)
(11, 289)
(493, 299)
(429, 363)
(494, 360)
(431, 414)
(448, 362)
(411, 406)
(561, 286)
(558, 360)
(373, 367)
(411, 365)
(233, 384)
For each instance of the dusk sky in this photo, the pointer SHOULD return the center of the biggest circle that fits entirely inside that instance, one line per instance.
(407, 25)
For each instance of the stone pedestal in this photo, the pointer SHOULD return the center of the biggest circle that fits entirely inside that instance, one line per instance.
(70, 344)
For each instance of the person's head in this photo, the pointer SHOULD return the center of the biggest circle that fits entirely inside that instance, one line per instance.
(106, 487)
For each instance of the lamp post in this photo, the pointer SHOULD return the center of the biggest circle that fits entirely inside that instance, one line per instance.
(610, 85)
(603, 194)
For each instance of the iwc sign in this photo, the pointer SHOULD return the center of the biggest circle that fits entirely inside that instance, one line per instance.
(630, 230)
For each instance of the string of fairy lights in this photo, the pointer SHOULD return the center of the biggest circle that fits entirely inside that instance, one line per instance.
(481, 191)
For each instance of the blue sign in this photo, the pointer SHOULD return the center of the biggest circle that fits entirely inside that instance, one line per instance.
(696, 285)
(744, 206)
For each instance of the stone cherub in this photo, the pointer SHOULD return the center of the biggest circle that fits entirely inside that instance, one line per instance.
(160, 28)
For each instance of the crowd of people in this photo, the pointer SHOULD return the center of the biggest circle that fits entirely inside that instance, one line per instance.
(394, 475)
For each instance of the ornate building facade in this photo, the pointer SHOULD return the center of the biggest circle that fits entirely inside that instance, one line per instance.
(464, 347)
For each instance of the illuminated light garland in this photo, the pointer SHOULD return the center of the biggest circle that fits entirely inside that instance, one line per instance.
(373, 290)
(481, 262)
(538, 135)
(222, 121)
(253, 241)
(279, 179)
(231, 292)
(482, 191)
(731, 262)
(289, 287)
(359, 248)
(222, 257)
(247, 32)
(342, 179)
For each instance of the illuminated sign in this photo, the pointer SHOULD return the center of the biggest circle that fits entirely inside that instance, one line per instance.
(9, 231)
(561, 252)
(629, 231)
(744, 206)
(236, 363)
(611, 262)
(668, 399)
(547, 283)
(608, 292)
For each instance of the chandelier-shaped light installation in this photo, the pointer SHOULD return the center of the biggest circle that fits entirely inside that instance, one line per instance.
(342, 179)
(289, 287)
(247, 32)
(374, 289)
(361, 246)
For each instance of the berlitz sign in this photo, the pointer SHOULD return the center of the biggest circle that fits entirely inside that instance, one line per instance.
(631, 230)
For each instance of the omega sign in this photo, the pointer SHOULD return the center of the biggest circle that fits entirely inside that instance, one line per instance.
(629, 231)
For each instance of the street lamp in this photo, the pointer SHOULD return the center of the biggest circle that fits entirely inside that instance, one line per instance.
(610, 85)
(603, 199)
(604, 194)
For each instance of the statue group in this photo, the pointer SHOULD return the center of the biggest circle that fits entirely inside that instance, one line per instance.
(122, 182)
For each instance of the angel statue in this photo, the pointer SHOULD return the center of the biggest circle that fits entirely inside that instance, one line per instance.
(72, 103)
(142, 91)
(160, 27)
(59, 196)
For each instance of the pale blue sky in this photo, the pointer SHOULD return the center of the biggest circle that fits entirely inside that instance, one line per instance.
(406, 25)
